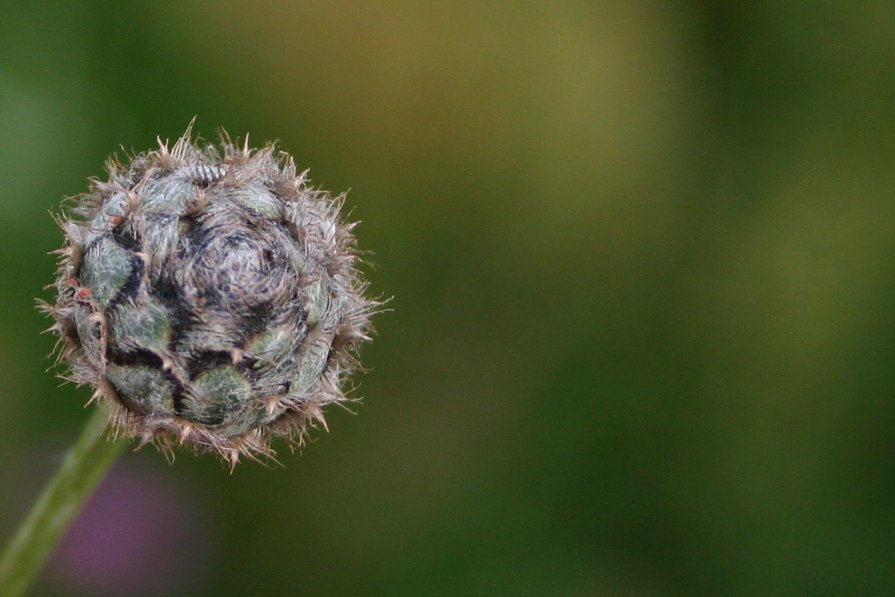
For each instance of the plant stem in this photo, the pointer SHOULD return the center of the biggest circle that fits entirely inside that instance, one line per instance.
(81, 471)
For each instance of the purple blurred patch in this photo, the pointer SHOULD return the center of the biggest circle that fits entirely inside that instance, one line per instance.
(140, 534)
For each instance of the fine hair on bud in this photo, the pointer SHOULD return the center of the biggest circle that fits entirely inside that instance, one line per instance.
(211, 297)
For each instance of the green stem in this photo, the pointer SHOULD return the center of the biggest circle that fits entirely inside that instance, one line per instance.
(84, 467)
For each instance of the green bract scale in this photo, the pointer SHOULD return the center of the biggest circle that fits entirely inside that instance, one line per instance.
(211, 297)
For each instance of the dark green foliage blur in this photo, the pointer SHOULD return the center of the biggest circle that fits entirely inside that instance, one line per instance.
(642, 258)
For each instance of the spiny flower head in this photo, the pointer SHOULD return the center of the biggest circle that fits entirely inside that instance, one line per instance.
(210, 297)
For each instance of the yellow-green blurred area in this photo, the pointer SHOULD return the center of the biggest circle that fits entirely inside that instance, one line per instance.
(642, 258)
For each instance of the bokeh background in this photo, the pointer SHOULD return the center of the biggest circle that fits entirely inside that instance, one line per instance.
(642, 258)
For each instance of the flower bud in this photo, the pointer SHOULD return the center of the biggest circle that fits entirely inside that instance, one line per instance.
(210, 297)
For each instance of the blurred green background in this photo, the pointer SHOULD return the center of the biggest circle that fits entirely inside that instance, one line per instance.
(642, 255)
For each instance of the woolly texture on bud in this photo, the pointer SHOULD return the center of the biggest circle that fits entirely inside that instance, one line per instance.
(210, 297)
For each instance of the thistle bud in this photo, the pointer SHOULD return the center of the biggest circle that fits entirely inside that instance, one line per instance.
(211, 297)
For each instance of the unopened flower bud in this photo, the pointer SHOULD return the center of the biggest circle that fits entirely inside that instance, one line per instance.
(210, 297)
